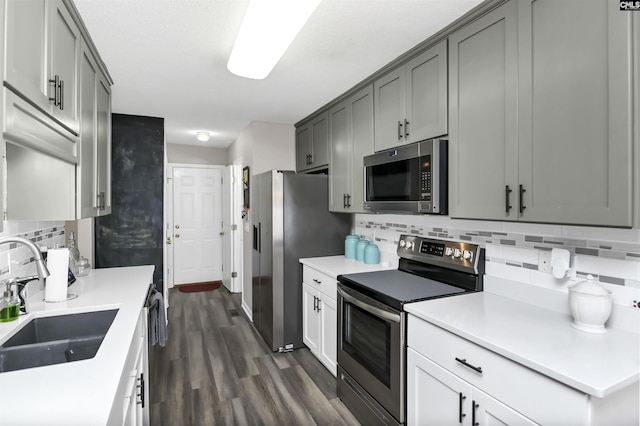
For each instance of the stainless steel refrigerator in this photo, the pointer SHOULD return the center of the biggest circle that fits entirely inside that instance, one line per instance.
(291, 220)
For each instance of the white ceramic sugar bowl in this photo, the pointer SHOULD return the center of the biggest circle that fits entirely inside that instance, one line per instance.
(590, 305)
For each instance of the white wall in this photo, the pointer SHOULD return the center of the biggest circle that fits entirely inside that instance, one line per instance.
(261, 146)
(192, 154)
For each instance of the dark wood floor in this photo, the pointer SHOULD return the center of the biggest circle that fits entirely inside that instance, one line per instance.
(216, 370)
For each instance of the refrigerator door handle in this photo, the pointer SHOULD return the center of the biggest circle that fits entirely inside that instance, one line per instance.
(259, 237)
(255, 238)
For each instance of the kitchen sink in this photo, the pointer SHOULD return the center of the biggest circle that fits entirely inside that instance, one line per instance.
(55, 340)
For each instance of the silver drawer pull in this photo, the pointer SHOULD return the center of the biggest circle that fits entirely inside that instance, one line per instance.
(466, 364)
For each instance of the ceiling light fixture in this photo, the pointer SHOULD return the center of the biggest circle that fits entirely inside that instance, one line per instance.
(203, 136)
(268, 28)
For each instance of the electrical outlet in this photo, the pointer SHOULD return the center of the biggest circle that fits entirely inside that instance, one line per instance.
(544, 261)
(636, 304)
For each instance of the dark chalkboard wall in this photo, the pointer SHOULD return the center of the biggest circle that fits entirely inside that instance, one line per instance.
(132, 234)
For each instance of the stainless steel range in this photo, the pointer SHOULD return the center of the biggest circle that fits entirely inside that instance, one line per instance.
(371, 321)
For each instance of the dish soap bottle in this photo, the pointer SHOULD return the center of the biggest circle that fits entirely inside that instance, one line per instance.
(74, 253)
(11, 310)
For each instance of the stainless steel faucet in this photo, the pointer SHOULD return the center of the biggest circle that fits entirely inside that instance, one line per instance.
(43, 272)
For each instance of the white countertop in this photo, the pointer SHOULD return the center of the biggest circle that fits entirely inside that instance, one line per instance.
(80, 392)
(541, 339)
(338, 265)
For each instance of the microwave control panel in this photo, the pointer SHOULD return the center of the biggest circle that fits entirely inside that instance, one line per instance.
(425, 178)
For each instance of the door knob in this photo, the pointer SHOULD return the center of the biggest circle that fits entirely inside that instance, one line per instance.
(222, 234)
(177, 235)
(177, 226)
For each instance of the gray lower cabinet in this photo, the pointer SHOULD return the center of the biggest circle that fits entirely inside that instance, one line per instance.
(312, 143)
(42, 56)
(411, 101)
(351, 138)
(540, 123)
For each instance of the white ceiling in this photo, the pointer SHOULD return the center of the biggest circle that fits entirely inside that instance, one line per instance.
(168, 58)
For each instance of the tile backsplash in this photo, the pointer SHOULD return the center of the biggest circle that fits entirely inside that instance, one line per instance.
(513, 250)
(16, 259)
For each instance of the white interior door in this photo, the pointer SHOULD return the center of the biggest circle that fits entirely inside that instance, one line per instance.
(227, 242)
(197, 225)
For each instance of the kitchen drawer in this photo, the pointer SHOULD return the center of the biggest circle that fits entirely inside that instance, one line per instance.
(534, 395)
(320, 281)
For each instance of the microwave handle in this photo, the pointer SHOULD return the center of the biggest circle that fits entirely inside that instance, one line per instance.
(380, 313)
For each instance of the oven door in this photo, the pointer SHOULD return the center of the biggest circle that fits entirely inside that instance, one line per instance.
(371, 348)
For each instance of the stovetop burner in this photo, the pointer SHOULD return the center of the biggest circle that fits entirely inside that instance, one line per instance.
(428, 268)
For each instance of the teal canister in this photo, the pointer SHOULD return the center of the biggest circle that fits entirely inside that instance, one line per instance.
(360, 246)
(350, 246)
(372, 254)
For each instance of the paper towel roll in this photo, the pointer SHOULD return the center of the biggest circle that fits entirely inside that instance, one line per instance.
(55, 289)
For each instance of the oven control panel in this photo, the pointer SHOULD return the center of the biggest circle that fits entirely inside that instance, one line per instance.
(453, 254)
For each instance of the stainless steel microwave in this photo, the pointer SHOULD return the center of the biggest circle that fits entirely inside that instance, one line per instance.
(409, 179)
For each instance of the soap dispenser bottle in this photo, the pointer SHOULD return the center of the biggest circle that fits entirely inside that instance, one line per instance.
(74, 253)
(11, 309)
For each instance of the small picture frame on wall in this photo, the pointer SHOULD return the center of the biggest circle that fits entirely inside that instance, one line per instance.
(245, 187)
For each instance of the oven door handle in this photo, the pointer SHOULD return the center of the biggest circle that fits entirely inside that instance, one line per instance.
(380, 313)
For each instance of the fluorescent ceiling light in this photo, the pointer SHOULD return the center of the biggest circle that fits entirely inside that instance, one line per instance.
(268, 29)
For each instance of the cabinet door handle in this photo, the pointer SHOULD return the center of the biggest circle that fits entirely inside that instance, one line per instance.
(317, 281)
(507, 191)
(522, 206)
(466, 364)
(473, 413)
(348, 200)
(315, 304)
(310, 158)
(461, 415)
(61, 87)
(319, 308)
(56, 84)
(141, 387)
(344, 201)
(406, 128)
(399, 129)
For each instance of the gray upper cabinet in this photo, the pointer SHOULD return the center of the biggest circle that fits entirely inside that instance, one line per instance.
(575, 120)
(312, 143)
(351, 138)
(42, 56)
(103, 145)
(483, 115)
(56, 114)
(540, 117)
(339, 140)
(411, 101)
(86, 191)
(94, 169)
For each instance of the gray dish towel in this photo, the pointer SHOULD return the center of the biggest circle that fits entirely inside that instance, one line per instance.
(157, 322)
